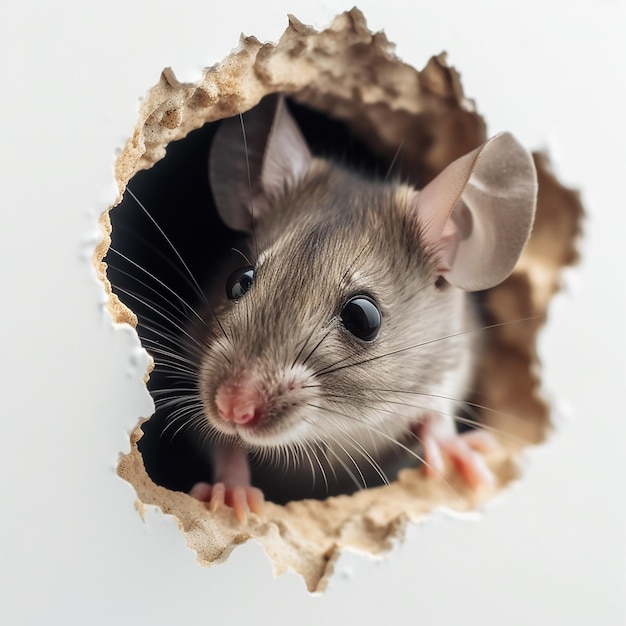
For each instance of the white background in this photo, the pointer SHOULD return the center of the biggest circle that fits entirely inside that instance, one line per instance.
(73, 549)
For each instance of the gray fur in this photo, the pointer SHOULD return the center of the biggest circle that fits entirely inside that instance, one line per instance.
(332, 236)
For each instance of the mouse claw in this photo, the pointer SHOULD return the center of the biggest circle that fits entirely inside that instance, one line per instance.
(245, 500)
(468, 462)
(239, 504)
(465, 451)
(241, 499)
(213, 495)
(218, 497)
(481, 441)
(256, 500)
(201, 491)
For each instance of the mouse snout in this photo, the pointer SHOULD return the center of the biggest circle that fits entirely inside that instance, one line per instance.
(241, 402)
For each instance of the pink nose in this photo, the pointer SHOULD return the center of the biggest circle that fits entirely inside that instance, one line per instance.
(242, 403)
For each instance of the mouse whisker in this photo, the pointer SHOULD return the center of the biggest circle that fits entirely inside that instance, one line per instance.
(145, 303)
(181, 391)
(190, 415)
(357, 257)
(304, 453)
(163, 355)
(165, 352)
(276, 457)
(397, 443)
(173, 310)
(243, 255)
(250, 195)
(427, 409)
(358, 447)
(359, 484)
(172, 374)
(206, 434)
(322, 447)
(312, 352)
(186, 401)
(220, 353)
(333, 369)
(186, 308)
(303, 346)
(319, 464)
(159, 328)
(175, 396)
(162, 333)
(173, 368)
(177, 410)
(169, 242)
(374, 403)
(147, 244)
(166, 349)
(393, 161)
(284, 457)
(368, 457)
(291, 456)
(466, 403)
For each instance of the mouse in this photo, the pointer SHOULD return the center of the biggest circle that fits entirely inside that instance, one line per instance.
(347, 332)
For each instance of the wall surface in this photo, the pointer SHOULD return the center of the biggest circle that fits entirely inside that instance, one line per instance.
(73, 549)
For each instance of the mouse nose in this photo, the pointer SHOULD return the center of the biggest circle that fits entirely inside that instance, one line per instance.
(242, 402)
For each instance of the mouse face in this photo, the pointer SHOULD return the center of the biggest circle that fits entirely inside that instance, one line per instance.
(341, 317)
(352, 330)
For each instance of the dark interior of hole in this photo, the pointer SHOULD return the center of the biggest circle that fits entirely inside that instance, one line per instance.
(145, 272)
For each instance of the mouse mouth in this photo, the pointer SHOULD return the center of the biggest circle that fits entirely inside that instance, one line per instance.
(291, 426)
(294, 433)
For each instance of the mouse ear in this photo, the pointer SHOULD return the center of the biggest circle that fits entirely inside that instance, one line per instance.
(247, 172)
(478, 213)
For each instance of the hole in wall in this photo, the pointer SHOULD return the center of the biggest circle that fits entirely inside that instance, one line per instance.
(157, 255)
(355, 101)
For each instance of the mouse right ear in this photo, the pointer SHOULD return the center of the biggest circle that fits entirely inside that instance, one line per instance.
(254, 158)
(476, 216)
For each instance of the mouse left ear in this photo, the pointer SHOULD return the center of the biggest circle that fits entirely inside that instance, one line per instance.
(477, 214)
(254, 158)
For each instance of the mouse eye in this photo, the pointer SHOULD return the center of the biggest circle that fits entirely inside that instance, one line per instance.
(361, 317)
(239, 282)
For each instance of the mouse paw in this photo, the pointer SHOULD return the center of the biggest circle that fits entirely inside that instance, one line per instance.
(242, 499)
(463, 450)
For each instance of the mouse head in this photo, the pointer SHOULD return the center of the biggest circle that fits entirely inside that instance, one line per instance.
(347, 283)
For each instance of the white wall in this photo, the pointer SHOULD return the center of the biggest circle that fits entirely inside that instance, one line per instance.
(74, 550)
